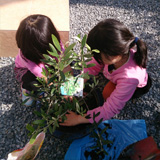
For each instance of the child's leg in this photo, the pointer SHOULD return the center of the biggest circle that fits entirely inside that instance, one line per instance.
(28, 84)
(108, 89)
(24, 97)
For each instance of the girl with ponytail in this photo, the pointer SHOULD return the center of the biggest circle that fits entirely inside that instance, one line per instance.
(123, 59)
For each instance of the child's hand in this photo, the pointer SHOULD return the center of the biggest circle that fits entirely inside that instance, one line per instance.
(68, 97)
(74, 119)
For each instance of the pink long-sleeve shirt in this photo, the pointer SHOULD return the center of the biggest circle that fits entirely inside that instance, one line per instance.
(22, 62)
(127, 78)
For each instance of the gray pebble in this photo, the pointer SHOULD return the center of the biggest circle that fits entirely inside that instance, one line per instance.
(142, 18)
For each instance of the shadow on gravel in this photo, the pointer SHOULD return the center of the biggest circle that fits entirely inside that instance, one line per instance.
(14, 117)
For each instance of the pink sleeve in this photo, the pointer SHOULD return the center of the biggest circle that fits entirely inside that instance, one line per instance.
(117, 100)
(36, 69)
(95, 69)
(21, 62)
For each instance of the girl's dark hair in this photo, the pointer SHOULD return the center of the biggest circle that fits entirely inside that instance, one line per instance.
(112, 38)
(34, 35)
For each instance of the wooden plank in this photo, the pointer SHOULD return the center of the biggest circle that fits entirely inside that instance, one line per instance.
(8, 47)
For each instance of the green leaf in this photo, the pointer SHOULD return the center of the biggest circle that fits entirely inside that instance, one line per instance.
(70, 47)
(47, 57)
(96, 50)
(52, 91)
(95, 135)
(44, 72)
(61, 66)
(88, 60)
(85, 76)
(52, 78)
(100, 151)
(62, 75)
(56, 124)
(88, 55)
(23, 103)
(100, 121)
(88, 116)
(90, 65)
(42, 111)
(69, 62)
(84, 64)
(64, 118)
(37, 113)
(75, 54)
(94, 147)
(53, 54)
(56, 42)
(84, 41)
(103, 130)
(67, 56)
(50, 130)
(77, 107)
(53, 50)
(88, 47)
(54, 127)
(33, 138)
(60, 110)
(78, 37)
(30, 128)
(39, 121)
(56, 107)
(97, 114)
(44, 60)
(77, 67)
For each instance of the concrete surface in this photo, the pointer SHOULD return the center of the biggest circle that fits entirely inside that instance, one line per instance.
(13, 11)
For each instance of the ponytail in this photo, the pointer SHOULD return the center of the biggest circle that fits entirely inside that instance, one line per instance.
(140, 56)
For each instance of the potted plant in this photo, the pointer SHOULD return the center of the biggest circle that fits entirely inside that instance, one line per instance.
(53, 104)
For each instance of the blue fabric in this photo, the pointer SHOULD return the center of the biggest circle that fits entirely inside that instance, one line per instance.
(121, 132)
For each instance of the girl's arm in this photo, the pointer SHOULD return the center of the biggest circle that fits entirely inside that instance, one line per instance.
(117, 100)
(95, 69)
(112, 106)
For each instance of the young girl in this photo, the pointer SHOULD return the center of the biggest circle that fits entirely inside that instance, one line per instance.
(122, 58)
(33, 37)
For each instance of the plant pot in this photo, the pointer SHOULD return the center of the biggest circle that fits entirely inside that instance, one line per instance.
(95, 99)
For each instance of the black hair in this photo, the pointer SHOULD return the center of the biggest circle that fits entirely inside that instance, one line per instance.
(112, 38)
(34, 35)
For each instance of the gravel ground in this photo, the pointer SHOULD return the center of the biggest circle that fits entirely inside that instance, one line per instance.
(142, 17)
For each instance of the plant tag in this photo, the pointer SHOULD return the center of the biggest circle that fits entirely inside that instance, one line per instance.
(73, 87)
(30, 151)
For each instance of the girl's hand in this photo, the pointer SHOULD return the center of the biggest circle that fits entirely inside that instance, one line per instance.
(74, 119)
(68, 97)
